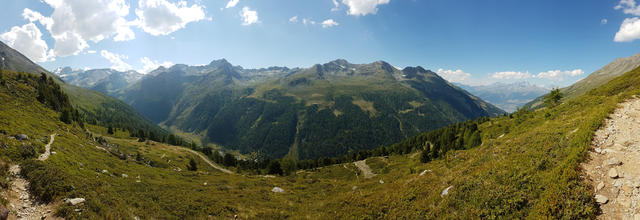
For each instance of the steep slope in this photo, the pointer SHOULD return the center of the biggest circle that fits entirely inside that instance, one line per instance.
(325, 110)
(596, 79)
(507, 96)
(11, 59)
(96, 108)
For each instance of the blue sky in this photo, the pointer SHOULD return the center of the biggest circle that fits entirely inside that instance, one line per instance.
(547, 42)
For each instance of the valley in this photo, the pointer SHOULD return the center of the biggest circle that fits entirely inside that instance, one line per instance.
(335, 140)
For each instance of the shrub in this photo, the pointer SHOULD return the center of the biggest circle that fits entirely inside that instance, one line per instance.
(46, 183)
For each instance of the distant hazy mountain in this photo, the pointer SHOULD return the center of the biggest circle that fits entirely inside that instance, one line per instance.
(102, 80)
(507, 96)
(325, 110)
(600, 77)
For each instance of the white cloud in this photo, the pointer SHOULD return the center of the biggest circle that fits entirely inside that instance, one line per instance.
(248, 16)
(336, 5)
(91, 51)
(604, 21)
(329, 23)
(629, 30)
(549, 75)
(453, 75)
(628, 7)
(306, 21)
(116, 61)
(293, 19)
(74, 22)
(150, 65)
(27, 39)
(231, 3)
(160, 17)
(363, 7)
(511, 75)
(559, 74)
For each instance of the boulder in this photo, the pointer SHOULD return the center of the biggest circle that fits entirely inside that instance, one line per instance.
(601, 199)
(600, 186)
(21, 137)
(613, 162)
(277, 190)
(445, 191)
(74, 201)
(613, 173)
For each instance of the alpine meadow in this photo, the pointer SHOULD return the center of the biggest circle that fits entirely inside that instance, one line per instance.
(329, 109)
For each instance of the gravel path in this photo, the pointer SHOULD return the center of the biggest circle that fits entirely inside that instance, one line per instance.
(215, 166)
(20, 203)
(47, 149)
(366, 170)
(614, 168)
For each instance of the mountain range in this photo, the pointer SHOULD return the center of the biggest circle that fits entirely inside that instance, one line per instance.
(325, 110)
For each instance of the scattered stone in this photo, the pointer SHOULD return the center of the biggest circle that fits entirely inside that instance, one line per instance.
(600, 186)
(636, 217)
(614, 162)
(125, 175)
(601, 199)
(445, 191)
(21, 137)
(617, 183)
(613, 173)
(624, 202)
(354, 187)
(53, 152)
(425, 172)
(205, 183)
(627, 189)
(277, 190)
(74, 201)
(105, 171)
(381, 181)
(598, 150)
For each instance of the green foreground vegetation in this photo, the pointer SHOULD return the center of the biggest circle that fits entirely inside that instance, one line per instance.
(527, 166)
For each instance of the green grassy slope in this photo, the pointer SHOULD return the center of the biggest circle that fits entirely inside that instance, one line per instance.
(530, 172)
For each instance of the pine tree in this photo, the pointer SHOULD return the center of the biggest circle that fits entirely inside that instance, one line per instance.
(110, 130)
(193, 166)
(553, 98)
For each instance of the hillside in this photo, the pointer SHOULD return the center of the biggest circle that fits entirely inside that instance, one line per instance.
(507, 96)
(94, 107)
(322, 111)
(600, 77)
(527, 166)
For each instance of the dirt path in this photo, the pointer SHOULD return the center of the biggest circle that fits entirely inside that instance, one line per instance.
(614, 168)
(215, 166)
(366, 170)
(20, 203)
(47, 149)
